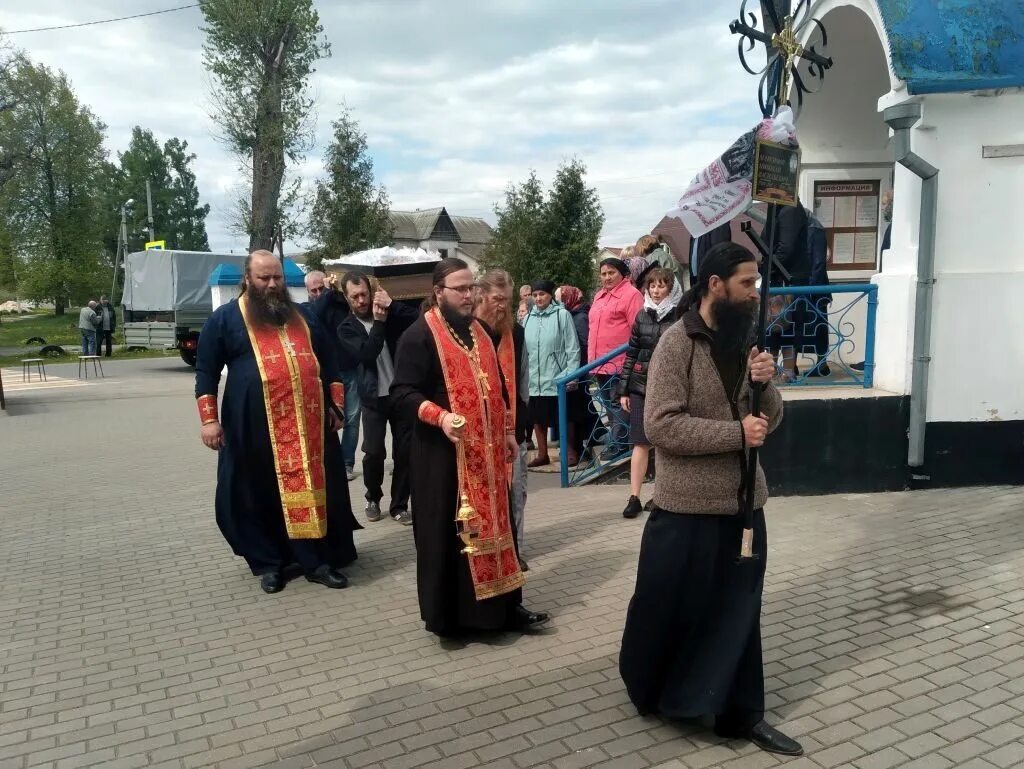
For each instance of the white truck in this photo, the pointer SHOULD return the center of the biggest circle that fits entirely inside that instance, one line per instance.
(167, 298)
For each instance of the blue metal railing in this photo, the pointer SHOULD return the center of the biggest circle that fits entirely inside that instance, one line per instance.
(827, 334)
(602, 416)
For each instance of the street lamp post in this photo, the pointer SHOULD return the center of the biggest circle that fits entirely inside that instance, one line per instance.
(121, 257)
(149, 211)
(782, 27)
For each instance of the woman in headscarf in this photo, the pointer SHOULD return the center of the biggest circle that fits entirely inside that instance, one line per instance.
(553, 351)
(638, 267)
(661, 309)
(657, 252)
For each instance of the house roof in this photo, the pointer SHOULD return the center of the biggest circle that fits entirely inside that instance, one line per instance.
(955, 45)
(419, 225)
(414, 225)
(472, 229)
(472, 250)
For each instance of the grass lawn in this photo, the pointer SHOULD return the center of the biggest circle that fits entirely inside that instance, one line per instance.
(55, 329)
(14, 361)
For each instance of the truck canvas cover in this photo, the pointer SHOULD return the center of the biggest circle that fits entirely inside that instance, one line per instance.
(160, 281)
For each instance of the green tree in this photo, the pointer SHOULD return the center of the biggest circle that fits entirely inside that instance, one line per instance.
(143, 160)
(551, 236)
(261, 54)
(178, 217)
(51, 205)
(516, 240)
(349, 212)
(8, 59)
(8, 267)
(186, 216)
(571, 227)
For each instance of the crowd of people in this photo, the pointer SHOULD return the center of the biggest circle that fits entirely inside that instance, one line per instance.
(462, 383)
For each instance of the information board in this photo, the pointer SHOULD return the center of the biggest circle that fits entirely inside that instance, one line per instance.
(849, 212)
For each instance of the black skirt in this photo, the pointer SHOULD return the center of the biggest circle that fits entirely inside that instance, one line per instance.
(636, 421)
(692, 643)
(544, 410)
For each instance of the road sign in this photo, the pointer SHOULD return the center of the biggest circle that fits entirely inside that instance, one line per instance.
(156, 245)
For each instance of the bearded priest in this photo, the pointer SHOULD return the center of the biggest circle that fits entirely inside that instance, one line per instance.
(281, 498)
(449, 383)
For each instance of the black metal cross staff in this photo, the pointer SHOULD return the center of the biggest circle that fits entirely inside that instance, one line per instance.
(781, 40)
(780, 37)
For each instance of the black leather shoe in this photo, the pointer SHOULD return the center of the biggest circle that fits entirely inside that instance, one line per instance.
(272, 582)
(633, 508)
(524, 618)
(328, 577)
(771, 740)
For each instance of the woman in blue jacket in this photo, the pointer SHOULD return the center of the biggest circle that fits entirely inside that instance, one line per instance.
(554, 351)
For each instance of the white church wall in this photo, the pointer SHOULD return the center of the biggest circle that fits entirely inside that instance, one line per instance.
(977, 313)
(978, 308)
(977, 351)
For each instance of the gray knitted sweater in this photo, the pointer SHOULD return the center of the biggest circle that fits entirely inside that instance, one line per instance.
(695, 425)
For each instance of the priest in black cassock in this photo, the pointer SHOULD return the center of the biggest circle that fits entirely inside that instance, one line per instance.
(448, 382)
(691, 647)
(281, 499)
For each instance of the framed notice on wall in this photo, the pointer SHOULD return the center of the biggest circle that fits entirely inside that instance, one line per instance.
(849, 212)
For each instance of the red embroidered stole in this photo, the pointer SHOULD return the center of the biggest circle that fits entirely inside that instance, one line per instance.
(475, 393)
(507, 361)
(294, 400)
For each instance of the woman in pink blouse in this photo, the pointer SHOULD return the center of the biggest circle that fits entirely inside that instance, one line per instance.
(612, 313)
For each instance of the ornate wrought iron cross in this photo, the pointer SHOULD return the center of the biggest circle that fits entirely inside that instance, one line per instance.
(783, 29)
(781, 38)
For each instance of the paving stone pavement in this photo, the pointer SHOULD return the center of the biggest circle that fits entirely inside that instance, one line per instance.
(131, 637)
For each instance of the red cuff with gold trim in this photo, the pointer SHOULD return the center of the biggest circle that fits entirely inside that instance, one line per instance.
(430, 413)
(338, 395)
(207, 408)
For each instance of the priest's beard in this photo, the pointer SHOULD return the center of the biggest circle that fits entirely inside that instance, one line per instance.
(500, 322)
(456, 319)
(270, 306)
(734, 324)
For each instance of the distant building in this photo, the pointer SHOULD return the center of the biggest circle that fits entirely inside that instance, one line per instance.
(607, 252)
(436, 230)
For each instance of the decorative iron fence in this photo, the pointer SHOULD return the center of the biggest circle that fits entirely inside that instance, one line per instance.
(815, 332)
(591, 423)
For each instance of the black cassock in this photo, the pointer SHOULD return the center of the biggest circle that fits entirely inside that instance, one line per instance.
(248, 500)
(692, 642)
(448, 604)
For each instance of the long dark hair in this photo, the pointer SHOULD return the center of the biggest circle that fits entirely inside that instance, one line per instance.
(444, 268)
(721, 261)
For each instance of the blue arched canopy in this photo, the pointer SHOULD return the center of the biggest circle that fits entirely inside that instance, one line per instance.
(947, 46)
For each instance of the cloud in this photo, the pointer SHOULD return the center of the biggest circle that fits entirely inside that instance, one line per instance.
(457, 101)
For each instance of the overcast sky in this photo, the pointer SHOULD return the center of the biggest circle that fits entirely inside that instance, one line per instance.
(457, 98)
